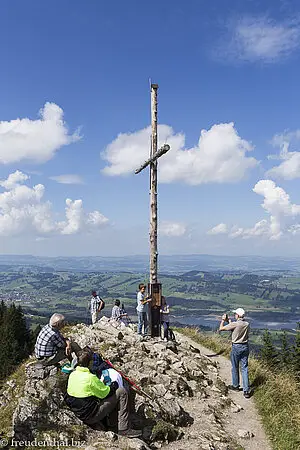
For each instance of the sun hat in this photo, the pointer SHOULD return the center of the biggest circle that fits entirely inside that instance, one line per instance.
(239, 311)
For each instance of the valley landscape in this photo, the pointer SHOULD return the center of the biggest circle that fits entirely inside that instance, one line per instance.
(199, 288)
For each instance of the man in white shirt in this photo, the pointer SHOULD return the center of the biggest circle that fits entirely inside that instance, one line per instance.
(95, 306)
(141, 309)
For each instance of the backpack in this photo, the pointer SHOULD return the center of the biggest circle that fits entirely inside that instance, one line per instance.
(99, 365)
(102, 304)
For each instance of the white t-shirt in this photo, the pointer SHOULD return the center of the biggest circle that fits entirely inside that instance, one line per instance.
(115, 376)
(140, 298)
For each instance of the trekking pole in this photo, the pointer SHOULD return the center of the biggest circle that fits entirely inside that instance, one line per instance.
(132, 383)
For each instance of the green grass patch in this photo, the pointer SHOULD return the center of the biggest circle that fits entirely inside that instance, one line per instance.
(213, 341)
(15, 392)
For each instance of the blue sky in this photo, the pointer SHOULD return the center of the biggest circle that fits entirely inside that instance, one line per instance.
(75, 107)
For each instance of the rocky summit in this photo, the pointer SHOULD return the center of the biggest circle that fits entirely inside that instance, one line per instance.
(185, 407)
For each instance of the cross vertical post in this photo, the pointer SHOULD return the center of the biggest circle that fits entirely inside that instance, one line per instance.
(154, 287)
(153, 188)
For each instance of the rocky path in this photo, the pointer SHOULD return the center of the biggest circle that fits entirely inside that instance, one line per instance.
(189, 408)
(247, 419)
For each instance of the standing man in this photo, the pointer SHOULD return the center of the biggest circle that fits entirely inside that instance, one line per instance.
(95, 306)
(141, 309)
(240, 349)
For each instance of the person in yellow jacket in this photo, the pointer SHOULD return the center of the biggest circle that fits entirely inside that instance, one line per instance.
(92, 401)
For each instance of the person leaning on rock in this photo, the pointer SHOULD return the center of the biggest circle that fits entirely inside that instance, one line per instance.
(240, 349)
(92, 401)
(51, 346)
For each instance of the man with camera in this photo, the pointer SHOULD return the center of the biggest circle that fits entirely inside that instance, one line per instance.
(240, 349)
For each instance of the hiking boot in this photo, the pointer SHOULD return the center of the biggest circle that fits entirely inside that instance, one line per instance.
(233, 388)
(247, 394)
(130, 433)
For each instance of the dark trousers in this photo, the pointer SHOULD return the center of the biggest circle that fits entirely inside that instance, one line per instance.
(166, 329)
(119, 401)
(60, 355)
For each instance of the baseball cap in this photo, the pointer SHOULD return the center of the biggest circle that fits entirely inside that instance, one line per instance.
(239, 311)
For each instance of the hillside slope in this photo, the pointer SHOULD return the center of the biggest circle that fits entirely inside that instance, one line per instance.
(190, 406)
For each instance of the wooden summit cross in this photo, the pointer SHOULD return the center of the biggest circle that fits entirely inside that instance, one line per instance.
(154, 287)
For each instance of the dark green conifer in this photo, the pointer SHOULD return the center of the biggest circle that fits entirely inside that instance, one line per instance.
(268, 351)
(296, 353)
(15, 343)
(285, 351)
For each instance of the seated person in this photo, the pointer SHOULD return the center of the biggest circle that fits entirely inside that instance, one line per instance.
(126, 319)
(51, 346)
(116, 313)
(92, 401)
(103, 370)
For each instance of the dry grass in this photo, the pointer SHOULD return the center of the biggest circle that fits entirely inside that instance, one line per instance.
(277, 397)
(6, 412)
(277, 394)
(213, 341)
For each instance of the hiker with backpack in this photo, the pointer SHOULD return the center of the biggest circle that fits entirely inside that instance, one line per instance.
(96, 306)
(165, 317)
(92, 401)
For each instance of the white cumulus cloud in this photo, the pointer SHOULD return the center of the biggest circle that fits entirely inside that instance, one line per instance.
(220, 155)
(282, 215)
(34, 140)
(218, 229)
(172, 229)
(23, 210)
(13, 180)
(260, 39)
(67, 179)
(289, 169)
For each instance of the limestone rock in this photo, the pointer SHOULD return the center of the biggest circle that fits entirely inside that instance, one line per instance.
(175, 380)
(245, 434)
(172, 412)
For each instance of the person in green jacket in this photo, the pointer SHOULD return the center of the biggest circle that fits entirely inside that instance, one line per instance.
(92, 401)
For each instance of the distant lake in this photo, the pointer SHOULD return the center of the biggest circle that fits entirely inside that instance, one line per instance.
(213, 322)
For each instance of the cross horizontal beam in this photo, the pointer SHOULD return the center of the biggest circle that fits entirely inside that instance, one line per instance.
(164, 149)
